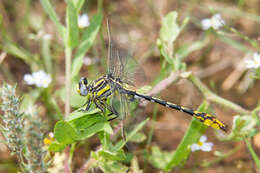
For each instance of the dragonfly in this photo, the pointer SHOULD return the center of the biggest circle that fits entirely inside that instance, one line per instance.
(116, 82)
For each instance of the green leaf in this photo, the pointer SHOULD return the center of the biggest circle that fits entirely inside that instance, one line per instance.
(87, 41)
(170, 29)
(64, 133)
(78, 4)
(14, 49)
(113, 166)
(118, 155)
(242, 126)
(122, 143)
(194, 132)
(87, 124)
(87, 121)
(76, 100)
(56, 146)
(138, 137)
(108, 129)
(186, 49)
(72, 32)
(80, 114)
(53, 16)
(46, 54)
(164, 53)
(158, 158)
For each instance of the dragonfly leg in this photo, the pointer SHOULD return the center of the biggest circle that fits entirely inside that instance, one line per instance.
(111, 109)
(99, 106)
(88, 103)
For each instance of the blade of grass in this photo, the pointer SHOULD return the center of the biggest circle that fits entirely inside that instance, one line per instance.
(14, 49)
(46, 54)
(72, 32)
(122, 143)
(196, 129)
(88, 39)
(53, 16)
(78, 4)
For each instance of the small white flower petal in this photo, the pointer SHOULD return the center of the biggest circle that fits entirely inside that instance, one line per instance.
(249, 63)
(51, 135)
(47, 36)
(206, 24)
(207, 146)
(39, 78)
(217, 21)
(254, 62)
(46, 81)
(195, 147)
(83, 21)
(29, 79)
(256, 57)
(88, 61)
(203, 138)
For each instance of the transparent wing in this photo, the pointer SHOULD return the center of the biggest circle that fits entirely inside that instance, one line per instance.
(121, 64)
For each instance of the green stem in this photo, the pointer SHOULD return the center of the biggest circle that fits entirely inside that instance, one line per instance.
(67, 80)
(253, 154)
(72, 149)
(150, 135)
(253, 42)
(207, 164)
(209, 95)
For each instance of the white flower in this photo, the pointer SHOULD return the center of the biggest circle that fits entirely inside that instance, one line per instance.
(215, 22)
(253, 63)
(51, 135)
(83, 21)
(90, 60)
(47, 37)
(40, 79)
(28, 79)
(202, 145)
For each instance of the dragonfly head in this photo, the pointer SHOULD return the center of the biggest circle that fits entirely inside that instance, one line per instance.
(83, 86)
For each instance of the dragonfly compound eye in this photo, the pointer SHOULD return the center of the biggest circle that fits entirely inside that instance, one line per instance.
(85, 81)
(82, 87)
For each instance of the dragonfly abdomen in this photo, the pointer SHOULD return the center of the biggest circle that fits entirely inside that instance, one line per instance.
(205, 118)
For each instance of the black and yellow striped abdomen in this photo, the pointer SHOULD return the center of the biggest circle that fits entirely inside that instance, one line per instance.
(205, 118)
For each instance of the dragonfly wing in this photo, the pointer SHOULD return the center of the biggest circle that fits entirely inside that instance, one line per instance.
(120, 62)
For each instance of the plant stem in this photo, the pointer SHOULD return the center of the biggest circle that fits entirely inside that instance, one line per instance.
(207, 164)
(253, 154)
(67, 79)
(209, 95)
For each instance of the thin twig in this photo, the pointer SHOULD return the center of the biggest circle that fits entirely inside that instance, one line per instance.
(2, 57)
(208, 71)
(209, 95)
(88, 164)
(66, 161)
(173, 77)
(67, 80)
(220, 158)
(239, 70)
